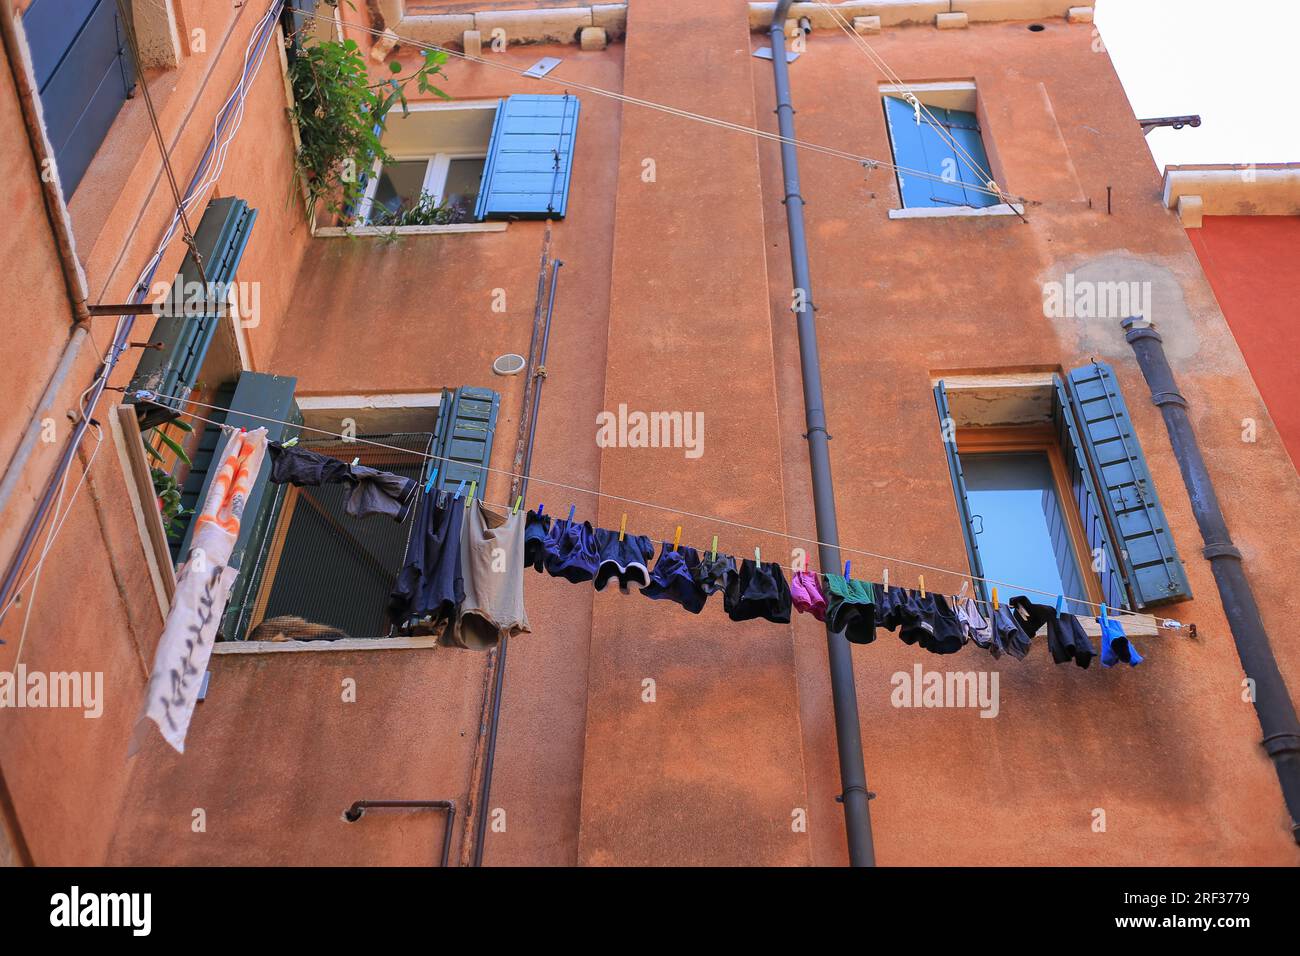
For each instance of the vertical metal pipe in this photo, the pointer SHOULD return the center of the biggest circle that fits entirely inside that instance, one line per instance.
(848, 734)
(498, 683)
(1272, 700)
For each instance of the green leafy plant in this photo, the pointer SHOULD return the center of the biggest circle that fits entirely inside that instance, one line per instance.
(170, 443)
(423, 212)
(341, 116)
(168, 492)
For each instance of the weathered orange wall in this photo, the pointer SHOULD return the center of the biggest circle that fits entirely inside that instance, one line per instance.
(675, 296)
(1251, 262)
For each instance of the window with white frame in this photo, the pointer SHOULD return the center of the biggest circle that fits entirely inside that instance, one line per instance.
(438, 155)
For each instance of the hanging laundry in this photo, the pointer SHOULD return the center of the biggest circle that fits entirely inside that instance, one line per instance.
(1115, 645)
(806, 592)
(373, 491)
(851, 608)
(491, 558)
(758, 591)
(1009, 635)
(627, 560)
(1065, 635)
(976, 626)
(715, 572)
(674, 578)
(571, 551)
(202, 589)
(536, 529)
(430, 585)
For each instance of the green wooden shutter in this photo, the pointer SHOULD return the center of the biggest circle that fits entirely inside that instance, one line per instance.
(467, 421)
(530, 158)
(959, 490)
(1088, 504)
(1150, 561)
(221, 236)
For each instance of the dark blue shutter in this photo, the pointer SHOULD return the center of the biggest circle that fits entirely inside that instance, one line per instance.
(919, 147)
(530, 158)
(1149, 559)
(959, 489)
(467, 421)
(83, 74)
(221, 236)
(1088, 504)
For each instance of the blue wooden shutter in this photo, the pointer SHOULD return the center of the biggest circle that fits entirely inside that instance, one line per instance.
(959, 489)
(1088, 504)
(530, 158)
(919, 147)
(467, 421)
(221, 236)
(83, 74)
(1149, 559)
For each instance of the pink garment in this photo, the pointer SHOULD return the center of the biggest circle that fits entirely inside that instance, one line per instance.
(806, 590)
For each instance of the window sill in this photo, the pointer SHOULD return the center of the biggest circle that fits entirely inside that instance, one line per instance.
(329, 232)
(948, 212)
(344, 644)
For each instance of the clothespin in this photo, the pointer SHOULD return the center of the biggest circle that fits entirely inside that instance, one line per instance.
(965, 587)
(622, 527)
(460, 489)
(921, 578)
(290, 443)
(715, 547)
(885, 583)
(572, 509)
(1060, 603)
(758, 557)
(518, 502)
(540, 509)
(428, 485)
(995, 599)
(847, 566)
(473, 487)
(1103, 611)
(354, 460)
(677, 537)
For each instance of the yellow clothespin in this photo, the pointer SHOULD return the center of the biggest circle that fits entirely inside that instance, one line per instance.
(995, 599)
(677, 537)
(518, 502)
(715, 547)
(622, 527)
(473, 485)
(921, 578)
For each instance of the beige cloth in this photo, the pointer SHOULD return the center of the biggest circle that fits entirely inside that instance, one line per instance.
(492, 564)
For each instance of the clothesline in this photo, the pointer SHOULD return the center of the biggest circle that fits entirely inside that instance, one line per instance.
(152, 397)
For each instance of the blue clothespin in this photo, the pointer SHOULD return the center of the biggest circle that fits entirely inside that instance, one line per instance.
(1060, 603)
(847, 566)
(1103, 611)
(572, 509)
(428, 485)
(460, 489)
(540, 509)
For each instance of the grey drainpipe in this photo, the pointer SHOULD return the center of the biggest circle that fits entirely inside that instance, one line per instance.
(1273, 705)
(844, 695)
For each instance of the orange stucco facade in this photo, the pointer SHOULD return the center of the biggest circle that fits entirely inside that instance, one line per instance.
(675, 295)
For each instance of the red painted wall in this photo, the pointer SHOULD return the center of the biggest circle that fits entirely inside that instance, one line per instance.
(1253, 264)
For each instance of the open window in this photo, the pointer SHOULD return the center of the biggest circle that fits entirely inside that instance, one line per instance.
(471, 162)
(938, 135)
(1053, 489)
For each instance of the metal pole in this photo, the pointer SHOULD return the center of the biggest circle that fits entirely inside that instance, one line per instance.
(489, 756)
(848, 735)
(1272, 700)
(355, 812)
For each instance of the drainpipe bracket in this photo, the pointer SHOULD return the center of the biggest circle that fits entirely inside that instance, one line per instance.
(1281, 744)
(1221, 549)
(1168, 398)
(839, 797)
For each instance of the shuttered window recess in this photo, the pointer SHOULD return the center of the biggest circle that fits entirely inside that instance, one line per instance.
(920, 147)
(1148, 557)
(467, 421)
(947, 432)
(220, 238)
(83, 74)
(530, 158)
(1087, 502)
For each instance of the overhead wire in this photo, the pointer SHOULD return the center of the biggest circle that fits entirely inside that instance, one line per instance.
(153, 397)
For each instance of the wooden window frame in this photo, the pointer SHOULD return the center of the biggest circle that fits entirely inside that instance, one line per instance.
(992, 440)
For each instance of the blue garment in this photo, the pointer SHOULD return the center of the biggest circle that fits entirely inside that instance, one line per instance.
(536, 532)
(571, 551)
(673, 578)
(430, 585)
(1115, 646)
(627, 560)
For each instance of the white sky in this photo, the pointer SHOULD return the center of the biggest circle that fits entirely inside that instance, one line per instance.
(1235, 62)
